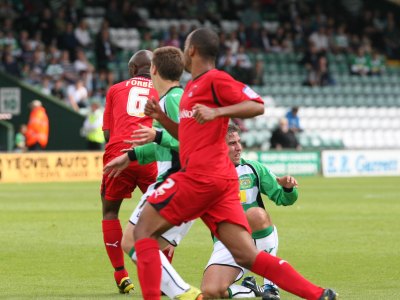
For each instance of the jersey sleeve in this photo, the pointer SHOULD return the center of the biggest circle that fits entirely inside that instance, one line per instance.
(107, 116)
(146, 153)
(168, 141)
(270, 187)
(228, 91)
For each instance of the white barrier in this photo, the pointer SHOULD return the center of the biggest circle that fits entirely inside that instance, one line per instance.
(347, 163)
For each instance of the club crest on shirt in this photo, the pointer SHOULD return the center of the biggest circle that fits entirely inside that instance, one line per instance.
(245, 182)
(248, 91)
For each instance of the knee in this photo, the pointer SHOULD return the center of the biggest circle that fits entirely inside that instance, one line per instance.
(214, 292)
(258, 218)
(245, 259)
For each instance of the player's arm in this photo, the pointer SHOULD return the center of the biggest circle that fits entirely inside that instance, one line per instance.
(153, 110)
(143, 155)
(246, 109)
(281, 190)
(233, 98)
(107, 115)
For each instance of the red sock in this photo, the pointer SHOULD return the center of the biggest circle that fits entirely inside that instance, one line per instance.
(112, 235)
(149, 268)
(285, 276)
(168, 256)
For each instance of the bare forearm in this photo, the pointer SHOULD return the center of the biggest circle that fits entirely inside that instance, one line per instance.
(169, 125)
(247, 109)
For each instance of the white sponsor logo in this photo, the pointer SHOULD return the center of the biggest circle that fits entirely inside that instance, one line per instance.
(250, 93)
(113, 245)
(186, 114)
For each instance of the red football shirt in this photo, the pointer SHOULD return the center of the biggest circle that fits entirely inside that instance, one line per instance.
(203, 148)
(124, 109)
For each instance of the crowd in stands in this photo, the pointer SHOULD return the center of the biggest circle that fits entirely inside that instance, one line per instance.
(49, 44)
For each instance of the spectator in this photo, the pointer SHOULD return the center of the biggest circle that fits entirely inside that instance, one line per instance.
(320, 39)
(67, 41)
(82, 34)
(359, 64)
(104, 49)
(293, 119)
(37, 133)
(20, 139)
(377, 63)
(58, 90)
(10, 65)
(284, 138)
(69, 72)
(92, 127)
(319, 75)
(77, 95)
(243, 71)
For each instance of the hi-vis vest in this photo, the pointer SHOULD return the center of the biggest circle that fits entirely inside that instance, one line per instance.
(95, 135)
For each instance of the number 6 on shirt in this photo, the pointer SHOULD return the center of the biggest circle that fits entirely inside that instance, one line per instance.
(137, 99)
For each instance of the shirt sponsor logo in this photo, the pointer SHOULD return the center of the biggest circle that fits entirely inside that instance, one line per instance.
(186, 114)
(250, 93)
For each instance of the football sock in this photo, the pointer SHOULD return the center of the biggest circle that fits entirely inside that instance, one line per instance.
(149, 268)
(238, 291)
(172, 283)
(285, 276)
(169, 257)
(267, 240)
(112, 235)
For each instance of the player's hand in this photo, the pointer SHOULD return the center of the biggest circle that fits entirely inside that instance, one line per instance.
(287, 182)
(170, 249)
(142, 136)
(203, 114)
(153, 109)
(117, 165)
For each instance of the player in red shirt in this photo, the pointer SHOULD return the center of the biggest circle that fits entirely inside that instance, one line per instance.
(124, 111)
(207, 185)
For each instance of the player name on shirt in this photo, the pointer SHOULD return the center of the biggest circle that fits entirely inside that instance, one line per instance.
(141, 83)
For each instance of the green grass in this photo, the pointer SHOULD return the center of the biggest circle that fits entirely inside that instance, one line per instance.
(342, 233)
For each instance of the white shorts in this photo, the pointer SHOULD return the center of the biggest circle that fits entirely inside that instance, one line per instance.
(222, 256)
(173, 235)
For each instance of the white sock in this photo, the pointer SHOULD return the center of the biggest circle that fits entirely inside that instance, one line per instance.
(238, 291)
(172, 283)
(270, 245)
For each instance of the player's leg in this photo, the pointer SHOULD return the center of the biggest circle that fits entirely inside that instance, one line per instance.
(171, 283)
(239, 242)
(165, 208)
(112, 236)
(265, 236)
(149, 228)
(220, 275)
(113, 190)
(216, 281)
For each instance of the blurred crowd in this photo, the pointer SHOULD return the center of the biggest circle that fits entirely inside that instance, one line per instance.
(49, 44)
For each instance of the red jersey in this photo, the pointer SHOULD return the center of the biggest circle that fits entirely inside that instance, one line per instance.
(124, 109)
(203, 148)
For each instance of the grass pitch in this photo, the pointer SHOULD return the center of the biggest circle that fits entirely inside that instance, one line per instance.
(341, 233)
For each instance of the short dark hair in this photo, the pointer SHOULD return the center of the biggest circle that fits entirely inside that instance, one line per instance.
(169, 62)
(206, 42)
(233, 128)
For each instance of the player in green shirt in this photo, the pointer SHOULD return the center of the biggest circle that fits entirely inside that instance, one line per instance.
(254, 179)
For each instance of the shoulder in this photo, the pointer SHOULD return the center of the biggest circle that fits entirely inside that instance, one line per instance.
(220, 75)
